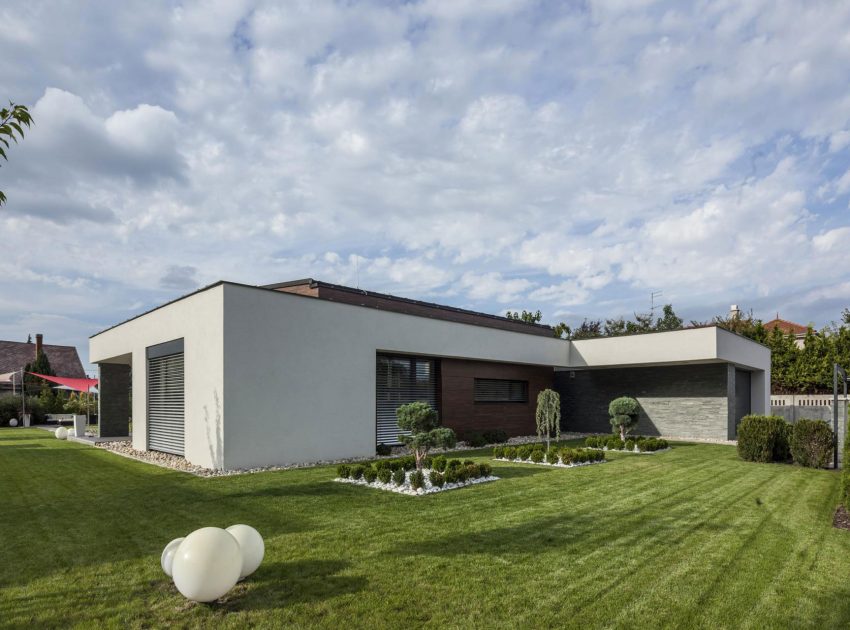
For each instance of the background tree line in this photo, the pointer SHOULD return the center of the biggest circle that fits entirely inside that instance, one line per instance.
(794, 370)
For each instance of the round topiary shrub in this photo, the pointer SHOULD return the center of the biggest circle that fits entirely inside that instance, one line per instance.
(485, 469)
(357, 471)
(510, 452)
(630, 445)
(370, 474)
(343, 471)
(384, 475)
(417, 479)
(436, 479)
(623, 412)
(552, 457)
(399, 476)
(812, 442)
(537, 456)
(763, 439)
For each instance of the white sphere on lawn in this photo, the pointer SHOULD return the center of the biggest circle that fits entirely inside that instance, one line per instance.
(13, 422)
(206, 564)
(253, 548)
(61, 433)
(166, 560)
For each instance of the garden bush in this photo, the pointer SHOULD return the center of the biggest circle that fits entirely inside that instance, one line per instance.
(537, 456)
(615, 444)
(763, 439)
(436, 479)
(468, 462)
(454, 464)
(398, 476)
(383, 449)
(343, 471)
(498, 452)
(473, 471)
(425, 432)
(510, 452)
(593, 441)
(370, 474)
(495, 436)
(624, 414)
(357, 471)
(439, 463)
(552, 456)
(811, 443)
(451, 475)
(630, 445)
(485, 469)
(417, 479)
(476, 440)
(384, 475)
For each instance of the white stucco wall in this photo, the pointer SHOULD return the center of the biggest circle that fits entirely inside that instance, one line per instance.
(300, 372)
(198, 319)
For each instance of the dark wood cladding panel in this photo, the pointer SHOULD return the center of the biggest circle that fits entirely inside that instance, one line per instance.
(460, 412)
(397, 305)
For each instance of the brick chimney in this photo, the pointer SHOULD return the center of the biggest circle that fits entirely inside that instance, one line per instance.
(39, 341)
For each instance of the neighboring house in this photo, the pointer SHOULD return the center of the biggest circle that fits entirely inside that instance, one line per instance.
(15, 355)
(798, 330)
(238, 376)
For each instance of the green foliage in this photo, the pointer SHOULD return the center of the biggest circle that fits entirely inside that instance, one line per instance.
(763, 439)
(13, 119)
(78, 403)
(476, 440)
(436, 478)
(589, 329)
(524, 451)
(553, 456)
(510, 452)
(498, 452)
(811, 443)
(485, 469)
(614, 443)
(537, 456)
(417, 479)
(357, 471)
(630, 445)
(384, 475)
(370, 474)
(525, 316)
(548, 415)
(343, 471)
(495, 436)
(624, 414)
(383, 449)
(439, 463)
(421, 420)
(398, 476)
(473, 471)
(452, 475)
(454, 464)
(593, 441)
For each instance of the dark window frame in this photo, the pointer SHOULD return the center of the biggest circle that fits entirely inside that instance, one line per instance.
(509, 397)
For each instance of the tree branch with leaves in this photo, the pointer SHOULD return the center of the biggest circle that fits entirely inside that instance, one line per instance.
(13, 119)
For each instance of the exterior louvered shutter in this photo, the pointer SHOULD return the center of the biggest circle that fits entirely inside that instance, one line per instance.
(166, 403)
(401, 380)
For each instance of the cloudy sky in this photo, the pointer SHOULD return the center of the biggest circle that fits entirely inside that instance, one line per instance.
(490, 154)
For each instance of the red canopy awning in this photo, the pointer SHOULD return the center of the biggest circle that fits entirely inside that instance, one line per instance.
(78, 384)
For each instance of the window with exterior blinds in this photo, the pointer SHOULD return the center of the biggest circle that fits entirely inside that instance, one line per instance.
(499, 390)
(165, 404)
(401, 380)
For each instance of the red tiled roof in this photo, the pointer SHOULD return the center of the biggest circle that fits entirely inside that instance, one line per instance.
(786, 327)
(64, 360)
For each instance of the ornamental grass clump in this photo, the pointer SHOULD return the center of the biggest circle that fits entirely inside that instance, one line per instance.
(425, 433)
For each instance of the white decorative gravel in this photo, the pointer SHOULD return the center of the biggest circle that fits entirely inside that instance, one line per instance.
(622, 450)
(406, 489)
(558, 465)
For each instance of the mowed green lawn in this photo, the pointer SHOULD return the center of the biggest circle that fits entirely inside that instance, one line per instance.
(690, 538)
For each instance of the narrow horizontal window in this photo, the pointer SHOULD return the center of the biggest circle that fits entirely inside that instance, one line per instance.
(499, 390)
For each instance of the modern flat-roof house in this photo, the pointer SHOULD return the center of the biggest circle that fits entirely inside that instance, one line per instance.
(237, 376)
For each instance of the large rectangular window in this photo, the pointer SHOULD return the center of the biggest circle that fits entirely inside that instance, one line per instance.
(492, 390)
(401, 380)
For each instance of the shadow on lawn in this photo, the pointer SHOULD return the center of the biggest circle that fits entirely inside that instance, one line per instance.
(293, 489)
(278, 584)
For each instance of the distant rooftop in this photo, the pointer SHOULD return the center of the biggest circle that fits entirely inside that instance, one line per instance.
(382, 301)
(64, 360)
(786, 327)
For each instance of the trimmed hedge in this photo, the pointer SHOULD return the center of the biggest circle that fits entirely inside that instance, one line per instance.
(811, 443)
(614, 443)
(763, 439)
(536, 455)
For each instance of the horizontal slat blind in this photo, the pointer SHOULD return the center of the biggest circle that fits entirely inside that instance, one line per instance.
(165, 404)
(402, 380)
(499, 390)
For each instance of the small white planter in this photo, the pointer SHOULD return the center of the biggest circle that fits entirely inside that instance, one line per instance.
(405, 488)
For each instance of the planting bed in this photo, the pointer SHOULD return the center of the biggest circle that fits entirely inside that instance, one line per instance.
(637, 444)
(559, 457)
(400, 475)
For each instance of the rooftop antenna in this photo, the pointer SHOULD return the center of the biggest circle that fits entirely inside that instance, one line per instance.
(357, 271)
(652, 297)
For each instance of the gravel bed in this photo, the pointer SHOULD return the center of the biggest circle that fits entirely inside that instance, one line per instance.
(406, 489)
(558, 465)
(176, 462)
(622, 450)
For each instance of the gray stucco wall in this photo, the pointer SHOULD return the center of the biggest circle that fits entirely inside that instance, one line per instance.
(676, 401)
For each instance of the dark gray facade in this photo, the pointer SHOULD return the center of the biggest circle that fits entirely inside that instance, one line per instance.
(691, 401)
(114, 400)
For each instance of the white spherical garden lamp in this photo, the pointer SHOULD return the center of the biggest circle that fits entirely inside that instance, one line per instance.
(13, 422)
(61, 433)
(253, 548)
(206, 564)
(166, 560)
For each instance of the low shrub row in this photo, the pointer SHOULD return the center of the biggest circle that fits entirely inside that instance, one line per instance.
(395, 471)
(479, 439)
(614, 443)
(806, 442)
(536, 454)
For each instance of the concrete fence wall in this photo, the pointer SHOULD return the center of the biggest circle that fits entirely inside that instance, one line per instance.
(792, 413)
